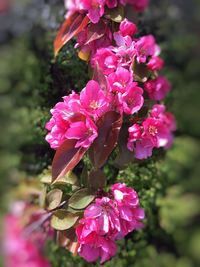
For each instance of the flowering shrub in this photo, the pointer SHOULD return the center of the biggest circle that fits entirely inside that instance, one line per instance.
(117, 110)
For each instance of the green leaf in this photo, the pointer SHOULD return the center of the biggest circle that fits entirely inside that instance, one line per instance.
(81, 199)
(46, 177)
(68, 178)
(115, 14)
(53, 199)
(96, 179)
(63, 220)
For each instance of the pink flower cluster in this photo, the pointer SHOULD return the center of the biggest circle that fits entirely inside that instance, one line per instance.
(120, 60)
(128, 51)
(118, 63)
(95, 9)
(22, 251)
(76, 117)
(108, 219)
(154, 132)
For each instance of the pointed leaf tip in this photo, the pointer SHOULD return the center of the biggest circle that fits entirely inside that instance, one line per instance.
(65, 159)
(72, 26)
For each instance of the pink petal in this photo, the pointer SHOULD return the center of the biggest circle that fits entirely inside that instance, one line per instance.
(89, 253)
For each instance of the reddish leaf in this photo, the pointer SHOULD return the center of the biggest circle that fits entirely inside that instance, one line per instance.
(96, 31)
(66, 158)
(108, 128)
(100, 77)
(73, 25)
(125, 156)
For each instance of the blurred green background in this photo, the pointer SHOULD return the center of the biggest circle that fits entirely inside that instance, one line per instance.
(31, 82)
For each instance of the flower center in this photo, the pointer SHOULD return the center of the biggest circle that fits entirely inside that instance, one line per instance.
(130, 101)
(94, 104)
(153, 130)
(143, 51)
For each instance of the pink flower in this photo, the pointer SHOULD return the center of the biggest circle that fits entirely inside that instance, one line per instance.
(127, 28)
(159, 112)
(122, 42)
(21, 251)
(125, 196)
(72, 5)
(85, 132)
(146, 47)
(105, 215)
(156, 131)
(124, 50)
(132, 100)
(94, 100)
(57, 127)
(111, 3)
(168, 120)
(106, 60)
(70, 121)
(60, 121)
(102, 247)
(95, 9)
(106, 220)
(128, 205)
(155, 63)
(95, 232)
(157, 88)
(143, 148)
(119, 80)
(139, 143)
(135, 132)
